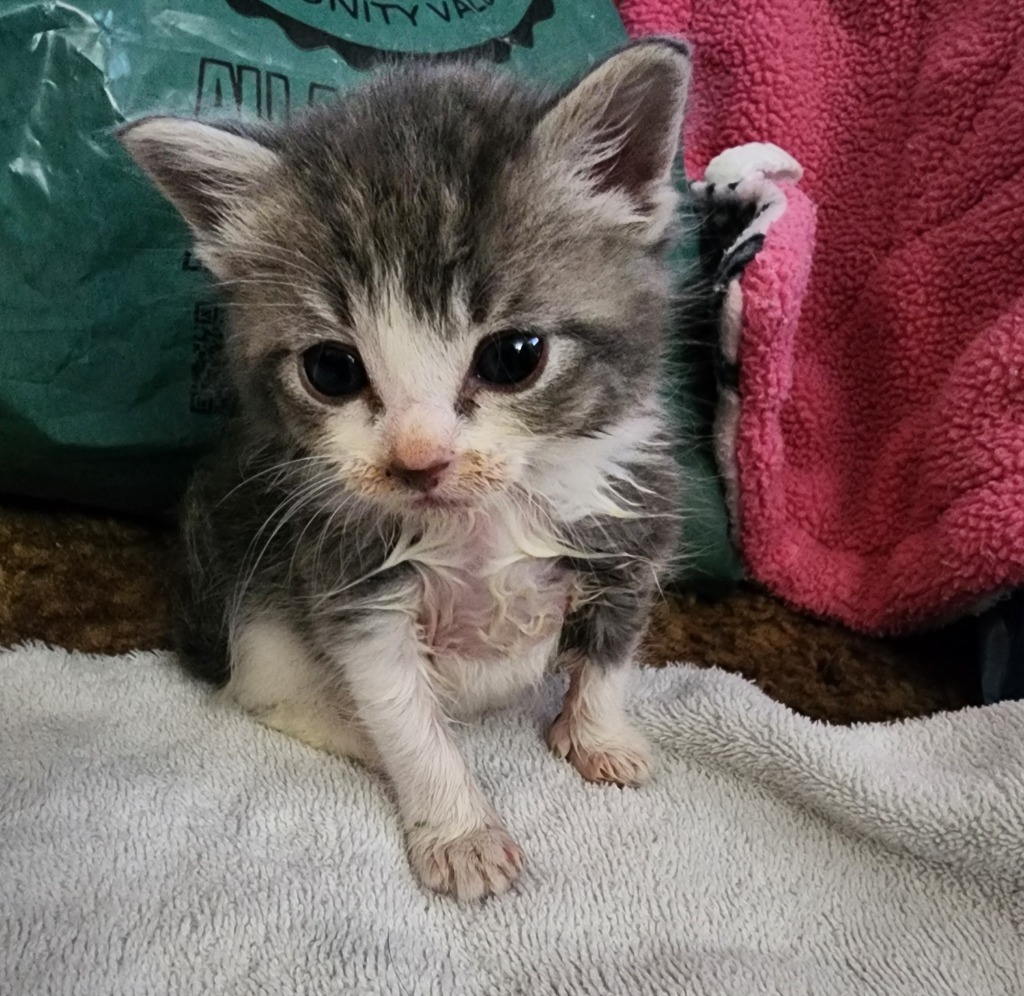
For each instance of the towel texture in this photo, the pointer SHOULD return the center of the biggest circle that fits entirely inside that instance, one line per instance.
(880, 441)
(153, 841)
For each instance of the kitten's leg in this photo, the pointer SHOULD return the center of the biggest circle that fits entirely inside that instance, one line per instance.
(275, 677)
(602, 635)
(592, 730)
(457, 843)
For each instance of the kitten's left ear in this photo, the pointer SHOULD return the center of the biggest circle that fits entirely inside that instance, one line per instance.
(208, 172)
(619, 127)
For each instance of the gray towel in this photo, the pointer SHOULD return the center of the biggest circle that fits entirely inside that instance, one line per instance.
(154, 841)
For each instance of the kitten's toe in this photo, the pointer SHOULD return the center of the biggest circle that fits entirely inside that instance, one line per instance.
(619, 757)
(481, 863)
(627, 766)
(558, 737)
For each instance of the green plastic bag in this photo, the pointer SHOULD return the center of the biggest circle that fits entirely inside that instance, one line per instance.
(110, 333)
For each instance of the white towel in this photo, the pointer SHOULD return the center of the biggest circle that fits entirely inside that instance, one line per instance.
(153, 841)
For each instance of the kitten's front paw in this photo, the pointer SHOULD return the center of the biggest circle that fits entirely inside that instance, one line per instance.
(481, 863)
(621, 757)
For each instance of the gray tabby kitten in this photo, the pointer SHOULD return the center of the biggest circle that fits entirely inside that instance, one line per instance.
(451, 464)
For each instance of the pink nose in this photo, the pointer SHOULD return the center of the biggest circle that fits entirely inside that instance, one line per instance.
(419, 478)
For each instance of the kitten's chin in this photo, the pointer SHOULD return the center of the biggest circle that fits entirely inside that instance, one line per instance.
(439, 504)
(427, 506)
(436, 504)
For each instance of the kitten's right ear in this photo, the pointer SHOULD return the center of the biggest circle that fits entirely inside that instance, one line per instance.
(206, 172)
(619, 127)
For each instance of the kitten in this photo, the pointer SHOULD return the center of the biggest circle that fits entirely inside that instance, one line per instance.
(448, 305)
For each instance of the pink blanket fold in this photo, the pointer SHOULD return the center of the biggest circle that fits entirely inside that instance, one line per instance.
(880, 445)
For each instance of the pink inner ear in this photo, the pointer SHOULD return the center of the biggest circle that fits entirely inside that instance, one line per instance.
(639, 129)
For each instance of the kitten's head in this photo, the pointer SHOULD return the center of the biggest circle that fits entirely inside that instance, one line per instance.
(443, 281)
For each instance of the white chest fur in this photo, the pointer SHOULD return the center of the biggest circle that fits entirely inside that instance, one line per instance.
(493, 598)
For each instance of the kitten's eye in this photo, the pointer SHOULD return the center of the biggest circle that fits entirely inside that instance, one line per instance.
(333, 370)
(509, 359)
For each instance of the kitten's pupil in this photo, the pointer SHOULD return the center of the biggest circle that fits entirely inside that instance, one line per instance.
(509, 359)
(333, 370)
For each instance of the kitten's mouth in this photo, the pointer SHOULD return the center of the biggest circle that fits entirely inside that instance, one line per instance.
(439, 503)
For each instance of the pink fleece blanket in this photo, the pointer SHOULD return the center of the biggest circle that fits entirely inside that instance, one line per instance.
(880, 443)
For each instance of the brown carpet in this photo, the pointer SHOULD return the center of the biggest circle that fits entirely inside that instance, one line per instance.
(98, 584)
